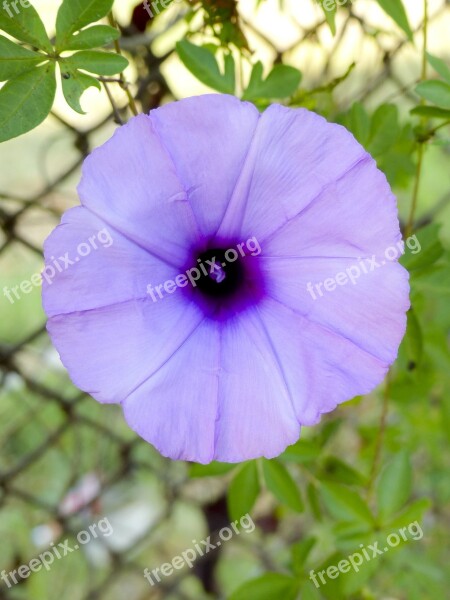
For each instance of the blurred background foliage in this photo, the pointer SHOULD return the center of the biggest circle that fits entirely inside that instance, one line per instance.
(380, 462)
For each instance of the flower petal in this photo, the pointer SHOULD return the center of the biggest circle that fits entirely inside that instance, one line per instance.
(321, 368)
(208, 138)
(354, 216)
(131, 184)
(111, 350)
(256, 412)
(369, 313)
(294, 156)
(110, 270)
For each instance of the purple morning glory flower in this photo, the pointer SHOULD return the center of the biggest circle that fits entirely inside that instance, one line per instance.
(229, 364)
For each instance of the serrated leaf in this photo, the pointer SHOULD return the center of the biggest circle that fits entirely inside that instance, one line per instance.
(344, 503)
(74, 84)
(396, 10)
(203, 64)
(243, 491)
(437, 92)
(394, 485)
(73, 15)
(93, 37)
(281, 82)
(439, 66)
(433, 112)
(96, 61)
(213, 469)
(279, 481)
(26, 26)
(15, 60)
(270, 586)
(26, 100)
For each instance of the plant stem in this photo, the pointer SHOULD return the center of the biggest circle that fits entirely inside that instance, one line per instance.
(123, 84)
(410, 225)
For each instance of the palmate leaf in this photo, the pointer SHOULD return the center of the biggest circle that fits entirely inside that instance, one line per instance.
(92, 37)
(73, 15)
(15, 60)
(74, 84)
(281, 82)
(203, 64)
(26, 26)
(96, 61)
(26, 100)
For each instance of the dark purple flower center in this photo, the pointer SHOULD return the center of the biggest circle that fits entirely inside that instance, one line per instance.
(228, 278)
(224, 278)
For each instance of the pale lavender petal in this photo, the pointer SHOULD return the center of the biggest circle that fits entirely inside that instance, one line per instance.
(208, 138)
(294, 156)
(110, 269)
(132, 185)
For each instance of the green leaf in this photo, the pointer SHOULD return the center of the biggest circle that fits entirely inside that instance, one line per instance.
(300, 552)
(243, 491)
(431, 112)
(437, 92)
(281, 484)
(93, 37)
(413, 340)
(74, 84)
(344, 503)
(211, 470)
(394, 485)
(281, 82)
(73, 15)
(360, 123)
(413, 512)
(302, 451)
(26, 26)
(26, 100)
(15, 60)
(396, 10)
(271, 586)
(440, 67)
(329, 8)
(384, 129)
(337, 470)
(203, 64)
(96, 61)
(423, 248)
